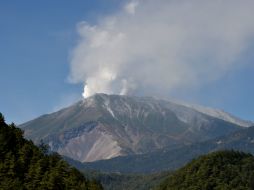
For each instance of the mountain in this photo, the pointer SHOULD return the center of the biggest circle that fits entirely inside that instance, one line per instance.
(25, 166)
(219, 170)
(218, 114)
(171, 159)
(106, 126)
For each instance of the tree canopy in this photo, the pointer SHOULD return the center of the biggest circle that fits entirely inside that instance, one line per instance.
(24, 166)
(227, 170)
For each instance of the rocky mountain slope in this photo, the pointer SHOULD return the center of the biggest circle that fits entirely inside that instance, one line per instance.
(106, 126)
(219, 114)
(171, 159)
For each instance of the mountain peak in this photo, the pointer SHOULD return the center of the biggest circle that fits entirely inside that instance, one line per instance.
(104, 126)
(217, 113)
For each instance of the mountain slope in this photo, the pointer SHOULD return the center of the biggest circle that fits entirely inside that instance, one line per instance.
(106, 126)
(25, 166)
(220, 115)
(219, 170)
(171, 159)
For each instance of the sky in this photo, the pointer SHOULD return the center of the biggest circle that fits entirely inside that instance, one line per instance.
(53, 52)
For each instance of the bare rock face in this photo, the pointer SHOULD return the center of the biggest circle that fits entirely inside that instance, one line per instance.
(106, 126)
(86, 143)
(88, 147)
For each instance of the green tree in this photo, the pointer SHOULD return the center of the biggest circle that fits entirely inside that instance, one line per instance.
(1, 118)
(225, 170)
(23, 166)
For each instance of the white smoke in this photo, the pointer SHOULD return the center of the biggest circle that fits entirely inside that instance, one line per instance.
(162, 45)
(131, 7)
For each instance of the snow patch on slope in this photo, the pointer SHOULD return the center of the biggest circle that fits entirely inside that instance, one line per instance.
(108, 108)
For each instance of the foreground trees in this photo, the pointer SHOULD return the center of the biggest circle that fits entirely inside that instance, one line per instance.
(225, 170)
(25, 166)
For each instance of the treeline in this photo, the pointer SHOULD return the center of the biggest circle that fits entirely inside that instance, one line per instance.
(24, 166)
(227, 170)
(118, 181)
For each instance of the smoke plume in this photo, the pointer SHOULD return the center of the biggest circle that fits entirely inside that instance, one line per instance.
(159, 46)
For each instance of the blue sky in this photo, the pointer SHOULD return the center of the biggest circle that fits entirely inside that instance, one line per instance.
(37, 38)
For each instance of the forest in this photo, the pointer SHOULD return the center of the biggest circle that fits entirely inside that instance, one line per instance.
(24, 166)
(225, 170)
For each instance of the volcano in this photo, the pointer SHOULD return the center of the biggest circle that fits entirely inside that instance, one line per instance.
(106, 126)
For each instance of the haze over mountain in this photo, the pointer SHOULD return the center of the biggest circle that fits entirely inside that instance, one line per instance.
(106, 126)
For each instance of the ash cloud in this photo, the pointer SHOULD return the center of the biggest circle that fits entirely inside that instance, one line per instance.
(159, 46)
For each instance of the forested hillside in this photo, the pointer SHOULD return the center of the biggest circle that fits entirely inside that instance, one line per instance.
(118, 181)
(225, 170)
(25, 166)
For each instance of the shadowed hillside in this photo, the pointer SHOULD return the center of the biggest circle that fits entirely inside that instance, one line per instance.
(26, 167)
(225, 170)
